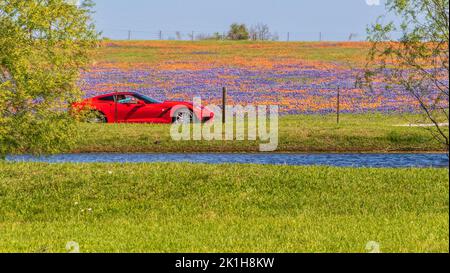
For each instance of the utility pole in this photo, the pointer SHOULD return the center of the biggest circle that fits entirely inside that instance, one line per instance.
(160, 35)
(288, 36)
(320, 36)
(193, 35)
(129, 35)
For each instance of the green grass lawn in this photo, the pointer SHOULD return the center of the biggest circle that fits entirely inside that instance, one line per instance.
(180, 207)
(299, 133)
(221, 208)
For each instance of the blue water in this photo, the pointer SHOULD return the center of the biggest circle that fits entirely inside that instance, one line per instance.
(341, 160)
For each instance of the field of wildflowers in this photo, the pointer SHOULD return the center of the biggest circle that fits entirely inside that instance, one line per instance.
(302, 78)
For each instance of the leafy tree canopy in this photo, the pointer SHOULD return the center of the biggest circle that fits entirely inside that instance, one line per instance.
(44, 44)
(418, 62)
(238, 32)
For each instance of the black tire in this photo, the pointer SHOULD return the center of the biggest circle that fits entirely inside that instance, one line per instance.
(183, 116)
(96, 117)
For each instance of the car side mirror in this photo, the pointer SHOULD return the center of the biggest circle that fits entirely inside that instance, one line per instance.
(140, 102)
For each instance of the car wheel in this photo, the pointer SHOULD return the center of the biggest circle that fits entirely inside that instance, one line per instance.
(183, 116)
(96, 117)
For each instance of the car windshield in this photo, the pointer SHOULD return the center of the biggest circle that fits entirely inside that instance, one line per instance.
(146, 99)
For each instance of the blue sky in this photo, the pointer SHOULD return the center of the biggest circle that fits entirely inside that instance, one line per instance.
(304, 19)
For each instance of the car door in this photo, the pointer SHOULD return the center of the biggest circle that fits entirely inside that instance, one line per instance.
(127, 106)
(147, 111)
(132, 109)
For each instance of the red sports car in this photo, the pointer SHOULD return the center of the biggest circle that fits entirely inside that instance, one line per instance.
(131, 107)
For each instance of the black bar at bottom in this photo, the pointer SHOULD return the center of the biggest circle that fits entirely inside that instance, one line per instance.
(225, 262)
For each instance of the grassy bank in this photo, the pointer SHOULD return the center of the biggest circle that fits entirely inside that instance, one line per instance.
(299, 133)
(223, 208)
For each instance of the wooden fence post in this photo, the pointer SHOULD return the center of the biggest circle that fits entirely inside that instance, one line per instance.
(224, 104)
(338, 104)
